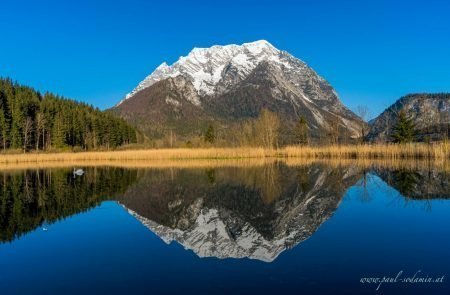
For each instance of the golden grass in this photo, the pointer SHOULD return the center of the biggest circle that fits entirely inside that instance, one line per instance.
(436, 152)
(386, 151)
(138, 155)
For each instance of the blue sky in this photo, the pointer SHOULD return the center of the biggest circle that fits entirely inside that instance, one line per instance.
(372, 52)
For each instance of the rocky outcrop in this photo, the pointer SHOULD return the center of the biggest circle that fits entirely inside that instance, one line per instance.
(429, 112)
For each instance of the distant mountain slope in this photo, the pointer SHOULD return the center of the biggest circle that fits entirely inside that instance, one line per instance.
(225, 84)
(430, 113)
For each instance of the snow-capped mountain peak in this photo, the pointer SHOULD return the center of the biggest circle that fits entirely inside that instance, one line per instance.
(206, 67)
(258, 47)
(237, 81)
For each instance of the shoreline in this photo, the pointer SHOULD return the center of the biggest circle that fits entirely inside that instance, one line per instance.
(245, 163)
(437, 151)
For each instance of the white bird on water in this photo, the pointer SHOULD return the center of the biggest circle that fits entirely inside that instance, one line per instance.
(78, 172)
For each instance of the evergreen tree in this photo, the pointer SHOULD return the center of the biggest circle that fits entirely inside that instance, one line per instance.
(16, 130)
(59, 132)
(404, 129)
(29, 119)
(301, 132)
(210, 135)
(4, 121)
(4, 128)
(40, 130)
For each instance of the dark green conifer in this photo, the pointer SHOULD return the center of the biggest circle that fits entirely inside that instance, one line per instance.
(404, 129)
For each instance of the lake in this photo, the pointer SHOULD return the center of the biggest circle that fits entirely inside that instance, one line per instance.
(270, 228)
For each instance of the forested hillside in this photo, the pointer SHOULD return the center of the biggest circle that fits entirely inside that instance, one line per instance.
(31, 121)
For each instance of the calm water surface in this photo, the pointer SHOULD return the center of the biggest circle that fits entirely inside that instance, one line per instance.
(273, 229)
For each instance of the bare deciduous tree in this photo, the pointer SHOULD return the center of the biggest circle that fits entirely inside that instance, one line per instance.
(334, 130)
(266, 128)
(27, 129)
(429, 119)
(363, 112)
(444, 122)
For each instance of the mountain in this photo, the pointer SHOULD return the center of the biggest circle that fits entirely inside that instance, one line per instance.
(429, 112)
(222, 85)
(256, 212)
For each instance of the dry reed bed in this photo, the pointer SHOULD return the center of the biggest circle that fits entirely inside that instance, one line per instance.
(139, 155)
(386, 151)
(392, 152)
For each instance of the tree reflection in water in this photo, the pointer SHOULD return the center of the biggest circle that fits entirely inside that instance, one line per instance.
(246, 211)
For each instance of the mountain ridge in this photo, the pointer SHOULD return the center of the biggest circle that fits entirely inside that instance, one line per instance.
(221, 54)
(235, 82)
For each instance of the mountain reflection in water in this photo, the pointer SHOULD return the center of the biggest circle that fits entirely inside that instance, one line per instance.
(238, 212)
(224, 212)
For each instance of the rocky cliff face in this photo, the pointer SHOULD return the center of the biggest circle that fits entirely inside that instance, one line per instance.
(254, 213)
(227, 83)
(429, 112)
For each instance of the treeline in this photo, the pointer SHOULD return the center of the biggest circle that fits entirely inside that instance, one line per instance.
(31, 121)
(31, 198)
(268, 130)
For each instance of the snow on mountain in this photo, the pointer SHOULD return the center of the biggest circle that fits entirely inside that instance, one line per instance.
(210, 237)
(207, 67)
(236, 82)
(238, 215)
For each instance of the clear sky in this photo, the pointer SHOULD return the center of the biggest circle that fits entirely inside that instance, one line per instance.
(372, 52)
